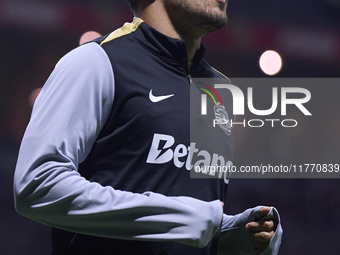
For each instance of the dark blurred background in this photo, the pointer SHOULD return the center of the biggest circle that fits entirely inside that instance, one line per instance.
(35, 34)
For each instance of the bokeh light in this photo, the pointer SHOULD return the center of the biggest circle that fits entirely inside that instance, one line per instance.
(270, 62)
(33, 96)
(88, 36)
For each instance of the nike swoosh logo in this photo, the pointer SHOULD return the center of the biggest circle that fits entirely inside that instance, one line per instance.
(156, 99)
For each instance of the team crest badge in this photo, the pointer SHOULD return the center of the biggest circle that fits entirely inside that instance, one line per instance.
(222, 118)
(221, 114)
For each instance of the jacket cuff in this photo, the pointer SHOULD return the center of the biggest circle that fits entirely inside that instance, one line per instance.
(235, 239)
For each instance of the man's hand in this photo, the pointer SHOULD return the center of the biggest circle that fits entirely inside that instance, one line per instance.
(261, 231)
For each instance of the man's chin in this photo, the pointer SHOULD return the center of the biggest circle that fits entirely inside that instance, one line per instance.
(214, 23)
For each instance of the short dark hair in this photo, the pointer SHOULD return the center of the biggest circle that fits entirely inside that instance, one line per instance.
(133, 5)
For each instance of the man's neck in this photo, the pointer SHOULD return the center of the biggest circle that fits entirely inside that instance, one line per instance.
(155, 15)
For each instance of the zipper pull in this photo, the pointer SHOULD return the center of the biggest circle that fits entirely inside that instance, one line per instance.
(190, 79)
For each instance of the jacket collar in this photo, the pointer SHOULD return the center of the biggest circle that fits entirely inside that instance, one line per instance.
(168, 48)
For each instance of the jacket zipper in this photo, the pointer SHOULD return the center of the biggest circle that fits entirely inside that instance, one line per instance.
(190, 79)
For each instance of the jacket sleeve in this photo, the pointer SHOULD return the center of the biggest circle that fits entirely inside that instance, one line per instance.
(67, 117)
(235, 239)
